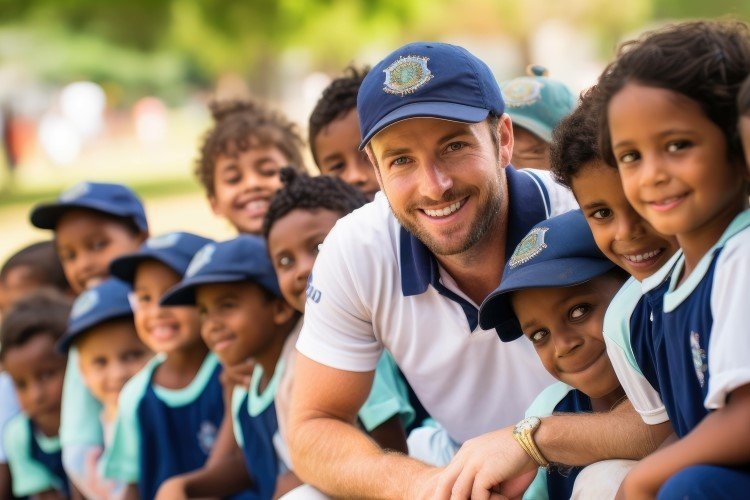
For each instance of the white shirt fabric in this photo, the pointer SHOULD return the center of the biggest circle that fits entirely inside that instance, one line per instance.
(375, 286)
(8, 408)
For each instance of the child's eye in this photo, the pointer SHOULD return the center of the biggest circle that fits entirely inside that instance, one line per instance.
(270, 171)
(285, 261)
(602, 213)
(66, 256)
(675, 146)
(579, 311)
(335, 168)
(538, 336)
(99, 244)
(629, 157)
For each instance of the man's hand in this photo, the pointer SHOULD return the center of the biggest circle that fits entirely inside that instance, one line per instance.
(485, 467)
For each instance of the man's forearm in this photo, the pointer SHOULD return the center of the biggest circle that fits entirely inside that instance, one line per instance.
(340, 460)
(582, 439)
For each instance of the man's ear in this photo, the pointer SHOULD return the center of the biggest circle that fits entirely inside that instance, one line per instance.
(374, 163)
(505, 143)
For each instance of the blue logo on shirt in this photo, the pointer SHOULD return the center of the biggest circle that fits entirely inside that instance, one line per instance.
(207, 437)
(313, 293)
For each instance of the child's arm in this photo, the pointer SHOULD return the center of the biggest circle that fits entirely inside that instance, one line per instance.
(5, 481)
(720, 439)
(286, 483)
(221, 478)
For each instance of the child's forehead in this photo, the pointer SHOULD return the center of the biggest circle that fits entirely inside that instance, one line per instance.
(240, 290)
(259, 142)
(107, 338)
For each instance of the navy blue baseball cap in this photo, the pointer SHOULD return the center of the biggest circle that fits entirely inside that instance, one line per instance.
(174, 250)
(244, 258)
(427, 80)
(110, 199)
(106, 301)
(557, 252)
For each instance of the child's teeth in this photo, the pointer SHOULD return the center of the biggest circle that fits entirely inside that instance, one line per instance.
(444, 211)
(643, 256)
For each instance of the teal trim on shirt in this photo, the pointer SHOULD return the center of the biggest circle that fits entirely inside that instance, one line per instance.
(257, 403)
(544, 406)
(389, 397)
(79, 416)
(186, 395)
(48, 444)
(677, 295)
(238, 397)
(29, 476)
(617, 319)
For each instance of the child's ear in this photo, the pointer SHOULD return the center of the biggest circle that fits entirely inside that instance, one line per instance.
(214, 205)
(282, 312)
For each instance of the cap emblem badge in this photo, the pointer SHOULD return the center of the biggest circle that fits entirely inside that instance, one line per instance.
(201, 258)
(75, 192)
(84, 304)
(522, 92)
(164, 241)
(531, 246)
(406, 75)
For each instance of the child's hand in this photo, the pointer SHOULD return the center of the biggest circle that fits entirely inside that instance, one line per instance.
(109, 413)
(640, 483)
(238, 374)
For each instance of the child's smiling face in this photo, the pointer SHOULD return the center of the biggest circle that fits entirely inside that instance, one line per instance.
(565, 326)
(162, 329)
(293, 246)
(620, 233)
(244, 184)
(674, 164)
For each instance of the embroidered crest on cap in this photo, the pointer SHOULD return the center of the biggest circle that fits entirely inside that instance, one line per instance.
(406, 75)
(699, 357)
(522, 92)
(75, 192)
(530, 247)
(163, 241)
(201, 258)
(84, 304)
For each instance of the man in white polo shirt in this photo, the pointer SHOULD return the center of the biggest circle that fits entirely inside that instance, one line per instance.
(408, 272)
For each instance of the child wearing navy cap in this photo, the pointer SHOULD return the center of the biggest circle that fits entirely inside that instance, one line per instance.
(240, 159)
(555, 290)
(671, 130)
(27, 350)
(172, 410)
(93, 223)
(101, 329)
(301, 215)
(334, 134)
(536, 103)
(244, 315)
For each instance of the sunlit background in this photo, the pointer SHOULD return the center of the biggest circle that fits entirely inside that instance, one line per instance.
(117, 90)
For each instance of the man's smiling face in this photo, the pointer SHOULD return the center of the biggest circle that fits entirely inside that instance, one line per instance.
(443, 179)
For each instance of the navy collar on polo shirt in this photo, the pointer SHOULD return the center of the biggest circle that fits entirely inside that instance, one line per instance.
(528, 204)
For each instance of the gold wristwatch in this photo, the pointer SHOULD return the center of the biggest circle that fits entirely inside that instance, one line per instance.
(523, 433)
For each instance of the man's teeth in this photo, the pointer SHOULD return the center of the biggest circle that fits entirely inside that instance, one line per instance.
(443, 211)
(643, 256)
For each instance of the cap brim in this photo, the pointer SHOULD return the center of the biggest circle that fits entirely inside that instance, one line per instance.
(535, 127)
(63, 345)
(496, 310)
(48, 215)
(183, 294)
(442, 110)
(124, 267)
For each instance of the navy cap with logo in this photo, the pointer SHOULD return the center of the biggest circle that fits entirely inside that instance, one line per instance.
(104, 302)
(110, 199)
(557, 252)
(427, 80)
(174, 250)
(244, 258)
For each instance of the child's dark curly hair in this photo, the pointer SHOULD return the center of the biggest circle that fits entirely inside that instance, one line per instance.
(241, 125)
(575, 140)
(44, 312)
(310, 193)
(743, 99)
(706, 61)
(338, 98)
